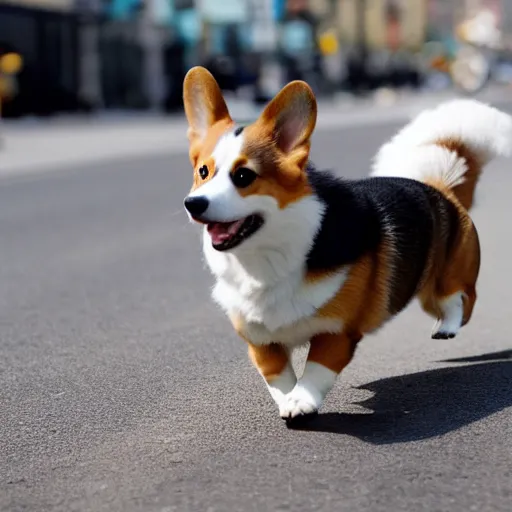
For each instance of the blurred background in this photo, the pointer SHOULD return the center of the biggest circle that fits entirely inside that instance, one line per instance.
(99, 55)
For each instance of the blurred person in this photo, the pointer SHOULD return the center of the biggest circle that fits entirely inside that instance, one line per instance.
(224, 61)
(403, 67)
(299, 47)
(332, 66)
(10, 66)
(393, 19)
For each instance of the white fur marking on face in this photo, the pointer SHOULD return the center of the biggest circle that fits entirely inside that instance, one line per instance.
(227, 151)
(453, 312)
(225, 203)
(309, 392)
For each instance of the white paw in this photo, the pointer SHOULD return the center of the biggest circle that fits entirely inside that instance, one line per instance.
(299, 402)
(449, 326)
(443, 331)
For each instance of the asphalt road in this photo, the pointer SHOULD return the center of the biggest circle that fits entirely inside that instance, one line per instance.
(123, 388)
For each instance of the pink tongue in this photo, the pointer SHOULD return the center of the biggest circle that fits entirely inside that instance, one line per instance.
(222, 231)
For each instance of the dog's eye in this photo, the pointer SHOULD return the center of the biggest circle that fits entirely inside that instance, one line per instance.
(203, 172)
(243, 177)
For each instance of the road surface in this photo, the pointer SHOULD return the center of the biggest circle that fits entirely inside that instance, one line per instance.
(123, 388)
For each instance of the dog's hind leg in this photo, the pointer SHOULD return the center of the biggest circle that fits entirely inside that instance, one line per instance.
(454, 295)
(450, 321)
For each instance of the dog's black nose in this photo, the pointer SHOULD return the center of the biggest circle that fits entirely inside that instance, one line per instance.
(196, 205)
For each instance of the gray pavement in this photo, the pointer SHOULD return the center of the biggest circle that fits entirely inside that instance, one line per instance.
(123, 388)
(31, 145)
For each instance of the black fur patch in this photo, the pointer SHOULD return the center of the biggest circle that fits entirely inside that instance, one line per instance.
(361, 214)
(350, 226)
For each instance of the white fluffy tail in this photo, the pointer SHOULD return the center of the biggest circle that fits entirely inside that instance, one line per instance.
(448, 146)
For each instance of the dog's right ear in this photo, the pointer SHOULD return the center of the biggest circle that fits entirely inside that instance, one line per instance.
(204, 106)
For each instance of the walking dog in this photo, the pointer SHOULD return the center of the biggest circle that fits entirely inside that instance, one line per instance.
(300, 255)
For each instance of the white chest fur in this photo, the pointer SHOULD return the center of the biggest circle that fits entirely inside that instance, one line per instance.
(280, 311)
(296, 334)
(261, 284)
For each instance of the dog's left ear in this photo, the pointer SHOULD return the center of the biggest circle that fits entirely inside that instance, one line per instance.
(291, 119)
(204, 105)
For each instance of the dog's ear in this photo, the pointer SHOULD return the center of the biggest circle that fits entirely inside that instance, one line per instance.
(290, 119)
(204, 104)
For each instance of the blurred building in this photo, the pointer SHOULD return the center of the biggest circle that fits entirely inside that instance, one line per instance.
(45, 33)
(400, 22)
(414, 18)
(86, 54)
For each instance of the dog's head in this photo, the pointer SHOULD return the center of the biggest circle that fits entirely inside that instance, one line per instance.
(246, 177)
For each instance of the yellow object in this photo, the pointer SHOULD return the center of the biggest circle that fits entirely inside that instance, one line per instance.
(328, 43)
(11, 63)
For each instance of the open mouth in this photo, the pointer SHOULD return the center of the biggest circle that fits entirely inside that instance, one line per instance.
(227, 235)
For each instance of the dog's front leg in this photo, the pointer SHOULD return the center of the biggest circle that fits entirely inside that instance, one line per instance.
(328, 355)
(273, 363)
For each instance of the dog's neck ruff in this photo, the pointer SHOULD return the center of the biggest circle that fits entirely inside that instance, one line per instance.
(262, 282)
(277, 253)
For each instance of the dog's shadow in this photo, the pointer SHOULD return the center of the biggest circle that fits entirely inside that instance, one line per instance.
(427, 404)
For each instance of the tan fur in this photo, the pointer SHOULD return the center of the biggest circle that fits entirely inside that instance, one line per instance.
(334, 351)
(458, 271)
(277, 177)
(269, 359)
(362, 305)
(362, 301)
(197, 180)
(448, 273)
(201, 149)
(280, 166)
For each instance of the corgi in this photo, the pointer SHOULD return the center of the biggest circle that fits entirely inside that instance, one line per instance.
(303, 256)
